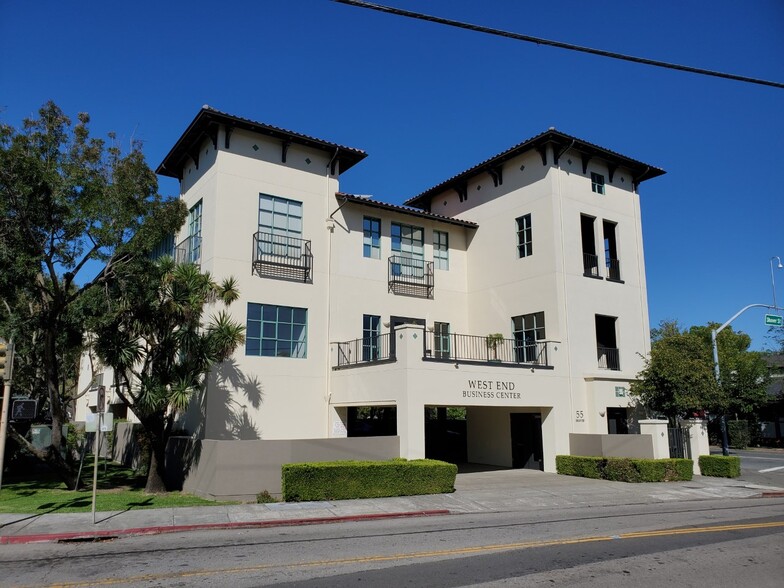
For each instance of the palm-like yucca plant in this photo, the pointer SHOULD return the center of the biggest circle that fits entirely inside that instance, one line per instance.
(162, 348)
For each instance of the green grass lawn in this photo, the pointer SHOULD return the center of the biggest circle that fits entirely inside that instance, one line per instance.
(118, 489)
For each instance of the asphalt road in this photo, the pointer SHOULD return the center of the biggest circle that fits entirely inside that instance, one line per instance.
(692, 543)
(762, 467)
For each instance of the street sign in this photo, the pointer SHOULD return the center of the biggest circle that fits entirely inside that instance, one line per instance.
(773, 320)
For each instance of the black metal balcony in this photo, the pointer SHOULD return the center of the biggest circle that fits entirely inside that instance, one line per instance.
(609, 358)
(282, 257)
(188, 250)
(591, 265)
(614, 270)
(484, 350)
(368, 350)
(410, 276)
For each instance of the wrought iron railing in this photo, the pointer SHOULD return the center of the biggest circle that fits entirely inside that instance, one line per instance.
(411, 276)
(609, 358)
(483, 349)
(367, 350)
(590, 265)
(188, 250)
(280, 256)
(614, 269)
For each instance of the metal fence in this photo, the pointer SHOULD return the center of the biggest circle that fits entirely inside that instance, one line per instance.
(478, 348)
(679, 442)
(364, 351)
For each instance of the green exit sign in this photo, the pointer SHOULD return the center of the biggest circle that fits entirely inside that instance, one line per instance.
(773, 320)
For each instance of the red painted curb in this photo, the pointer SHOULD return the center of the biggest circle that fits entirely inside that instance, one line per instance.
(776, 494)
(98, 534)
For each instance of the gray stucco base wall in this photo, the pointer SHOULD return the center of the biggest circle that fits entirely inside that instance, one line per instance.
(239, 470)
(636, 446)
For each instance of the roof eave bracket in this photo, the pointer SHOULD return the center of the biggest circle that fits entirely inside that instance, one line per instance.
(497, 174)
(611, 167)
(586, 158)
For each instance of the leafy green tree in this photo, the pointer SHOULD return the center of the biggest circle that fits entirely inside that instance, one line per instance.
(69, 204)
(678, 378)
(156, 338)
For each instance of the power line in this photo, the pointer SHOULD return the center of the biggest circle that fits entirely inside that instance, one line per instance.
(540, 41)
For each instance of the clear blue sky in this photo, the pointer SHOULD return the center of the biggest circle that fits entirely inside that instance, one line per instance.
(427, 101)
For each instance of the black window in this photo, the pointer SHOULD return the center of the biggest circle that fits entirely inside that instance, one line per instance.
(524, 236)
(597, 183)
(528, 331)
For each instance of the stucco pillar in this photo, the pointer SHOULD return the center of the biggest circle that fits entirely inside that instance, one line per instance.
(550, 439)
(409, 348)
(698, 441)
(657, 429)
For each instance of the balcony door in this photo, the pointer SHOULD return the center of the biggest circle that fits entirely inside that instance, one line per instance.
(280, 226)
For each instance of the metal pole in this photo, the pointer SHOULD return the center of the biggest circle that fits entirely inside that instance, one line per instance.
(6, 405)
(97, 449)
(772, 279)
(725, 444)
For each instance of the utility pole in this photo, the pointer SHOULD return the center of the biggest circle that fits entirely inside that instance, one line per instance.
(6, 371)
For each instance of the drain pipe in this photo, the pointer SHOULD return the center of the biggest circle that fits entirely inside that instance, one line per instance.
(331, 230)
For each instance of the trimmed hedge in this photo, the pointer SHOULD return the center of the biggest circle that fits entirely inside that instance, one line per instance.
(624, 469)
(720, 466)
(341, 480)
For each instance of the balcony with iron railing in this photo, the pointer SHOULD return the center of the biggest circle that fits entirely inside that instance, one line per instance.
(485, 350)
(451, 348)
(614, 270)
(188, 250)
(411, 276)
(591, 265)
(368, 350)
(609, 358)
(282, 257)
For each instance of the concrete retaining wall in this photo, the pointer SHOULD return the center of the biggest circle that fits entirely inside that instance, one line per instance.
(238, 470)
(637, 446)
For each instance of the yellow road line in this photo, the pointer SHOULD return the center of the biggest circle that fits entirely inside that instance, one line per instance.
(421, 554)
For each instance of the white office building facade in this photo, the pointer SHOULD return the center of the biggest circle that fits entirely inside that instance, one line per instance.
(513, 293)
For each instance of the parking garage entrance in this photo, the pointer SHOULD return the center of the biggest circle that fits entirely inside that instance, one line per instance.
(527, 449)
(446, 433)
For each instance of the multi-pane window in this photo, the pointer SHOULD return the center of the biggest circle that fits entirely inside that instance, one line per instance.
(441, 340)
(408, 245)
(371, 240)
(280, 226)
(441, 250)
(525, 246)
(194, 232)
(276, 331)
(164, 247)
(371, 332)
(528, 330)
(597, 183)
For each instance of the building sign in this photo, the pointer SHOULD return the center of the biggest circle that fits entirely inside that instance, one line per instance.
(491, 390)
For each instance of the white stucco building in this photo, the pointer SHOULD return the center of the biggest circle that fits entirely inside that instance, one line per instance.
(514, 290)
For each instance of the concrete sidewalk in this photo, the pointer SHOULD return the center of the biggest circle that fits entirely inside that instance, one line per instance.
(483, 491)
